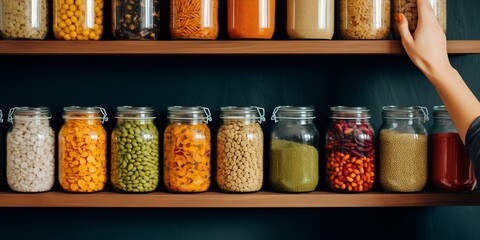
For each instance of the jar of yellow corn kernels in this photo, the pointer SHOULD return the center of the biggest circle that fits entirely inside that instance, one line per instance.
(82, 150)
(78, 19)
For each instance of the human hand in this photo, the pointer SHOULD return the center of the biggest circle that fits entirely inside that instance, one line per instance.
(427, 47)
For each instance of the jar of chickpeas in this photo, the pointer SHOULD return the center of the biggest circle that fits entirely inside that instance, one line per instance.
(78, 19)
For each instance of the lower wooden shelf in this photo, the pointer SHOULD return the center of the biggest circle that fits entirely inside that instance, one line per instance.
(263, 199)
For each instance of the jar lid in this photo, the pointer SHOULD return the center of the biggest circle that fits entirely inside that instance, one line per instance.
(189, 113)
(101, 112)
(252, 112)
(441, 112)
(343, 112)
(293, 113)
(28, 113)
(400, 112)
(129, 112)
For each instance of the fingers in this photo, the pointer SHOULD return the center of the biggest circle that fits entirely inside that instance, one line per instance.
(403, 28)
(425, 11)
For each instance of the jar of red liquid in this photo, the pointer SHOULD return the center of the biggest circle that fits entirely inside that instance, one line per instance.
(452, 171)
(350, 150)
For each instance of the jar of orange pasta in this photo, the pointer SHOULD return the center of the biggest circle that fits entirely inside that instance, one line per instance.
(194, 19)
(187, 149)
(82, 150)
(253, 19)
(78, 19)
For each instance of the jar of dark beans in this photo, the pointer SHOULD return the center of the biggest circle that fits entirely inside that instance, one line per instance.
(136, 19)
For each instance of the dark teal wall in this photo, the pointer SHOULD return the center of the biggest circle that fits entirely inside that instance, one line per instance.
(321, 81)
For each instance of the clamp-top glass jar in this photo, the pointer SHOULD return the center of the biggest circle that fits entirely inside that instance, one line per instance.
(135, 150)
(30, 150)
(240, 149)
(82, 155)
(403, 149)
(409, 9)
(294, 150)
(252, 19)
(310, 19)
(187, 149)
(364, 19)
(24, 19)
(136, 19)
(451, 169)
(2, 151)
(194, 19)
(78, 19)
(350, 150)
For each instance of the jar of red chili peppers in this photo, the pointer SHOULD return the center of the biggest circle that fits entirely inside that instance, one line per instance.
(350, 150)
(187, 150)
(452, 171)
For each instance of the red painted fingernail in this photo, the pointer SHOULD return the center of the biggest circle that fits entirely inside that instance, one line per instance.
(399, 17)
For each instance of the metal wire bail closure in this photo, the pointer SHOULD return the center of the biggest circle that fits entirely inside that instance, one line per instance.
(261, 113)
(104, 114)
(10, 115)
(1, 116)
(207, 113)
(274, 114)
(425, 113)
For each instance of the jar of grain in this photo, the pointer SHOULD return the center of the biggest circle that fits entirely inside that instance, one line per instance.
(409, 9)
(252, 19)
(362, 19)
(310, 19)
(78, 19)
(30, 150)
(294, 150)
(135, 150)
(403, 149)
(350, 150)
(136, 20)
(187, 149)
(451, 170)
(240, 149)
(194, 19)
(82, 150)
(24, 19)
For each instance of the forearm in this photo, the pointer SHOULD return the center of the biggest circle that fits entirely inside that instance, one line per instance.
(461, 103)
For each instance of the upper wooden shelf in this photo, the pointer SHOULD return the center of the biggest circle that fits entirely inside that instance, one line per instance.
(229, 47)
(223, 200)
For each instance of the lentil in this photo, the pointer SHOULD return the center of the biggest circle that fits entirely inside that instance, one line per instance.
(24, 19)
(135, 156)
(240, 156)
(403, 161)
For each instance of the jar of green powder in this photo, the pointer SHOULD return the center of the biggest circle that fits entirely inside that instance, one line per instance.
(294, 150)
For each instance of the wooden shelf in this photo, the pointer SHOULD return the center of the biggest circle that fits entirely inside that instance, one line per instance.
(223, 200)
(274, 47)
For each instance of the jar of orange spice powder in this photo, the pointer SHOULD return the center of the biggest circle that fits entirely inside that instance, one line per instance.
(187, 149)
(82, 158)
(252, 19)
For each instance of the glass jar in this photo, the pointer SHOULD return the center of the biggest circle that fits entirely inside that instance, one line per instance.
(187, 149)
(240, 149)
(78, 19)
(136, 19)
(362, 19)
(30, 150)
(2, 151)
(350, 150)
(403, 149)
(24, 19)
(135, 150)
(451, 169)
(194, 19)
(82, 145)
(310, 19)
(294, 150)
(409, 9)
(253, 19)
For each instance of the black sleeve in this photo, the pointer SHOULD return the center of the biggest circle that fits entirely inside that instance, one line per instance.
(472, 144)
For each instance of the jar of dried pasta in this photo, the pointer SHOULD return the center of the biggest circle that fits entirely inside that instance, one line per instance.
(253, 19)
(240, 149)
(24, 19)
(82, 145)
(187, 149)
(364, 19)
(409, 9)
(310, 19)
(194, 19)
(78, 19)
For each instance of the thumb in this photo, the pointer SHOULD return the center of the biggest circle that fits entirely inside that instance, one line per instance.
(403, 28)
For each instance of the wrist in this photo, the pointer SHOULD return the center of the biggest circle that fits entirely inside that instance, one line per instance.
(441, 74)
